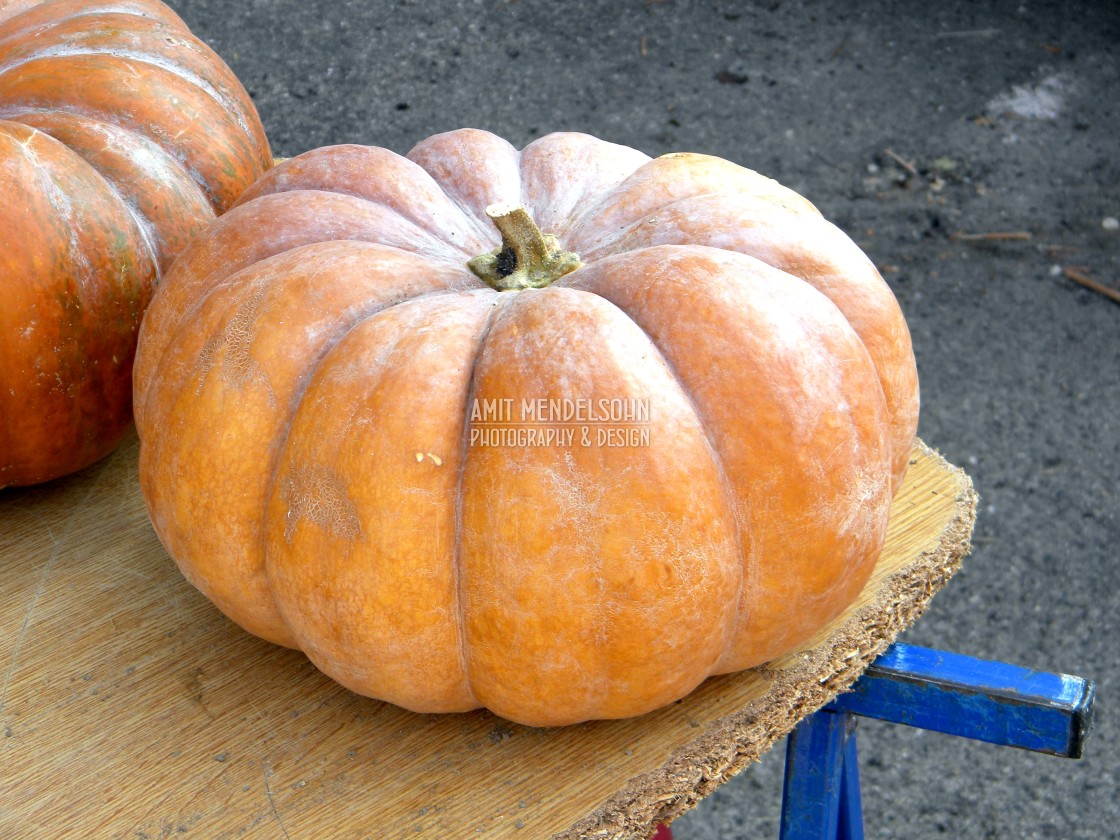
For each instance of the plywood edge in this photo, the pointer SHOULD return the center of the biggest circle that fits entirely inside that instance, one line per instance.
(797, 690)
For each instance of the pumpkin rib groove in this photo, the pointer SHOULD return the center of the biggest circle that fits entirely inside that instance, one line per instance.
(867, 302)
(47, 35)
(295, 402)
(280, 468)
(35, 15)
(92, 311)
(149, 145)
(12, 112)
(474, 212)
(228, 225)
(609, 245)
(516, 571)
(38, 85)
(239, 289)
(313, 367)
(124, 35)
(604, 246)
(791, 275)
(592, 216)
(390, 209)
(46, 172)
(239, 277)
(307, 178)
(713, 450)
(164, 196)
(422, 249)
(601, 279)
(500, 303)
(151, 60)
(484, 233)
(558, 211)
(316, 362)
(717, 458)
(184, 318)
(143, 225)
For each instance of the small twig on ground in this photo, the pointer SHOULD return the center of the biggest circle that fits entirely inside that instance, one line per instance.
(839, 47)
(969, 33)
(993, 235)
(1080, 277)
(905, 164)
(1056, 250)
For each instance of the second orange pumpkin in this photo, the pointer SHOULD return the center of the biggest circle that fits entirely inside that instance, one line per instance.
(121, 137)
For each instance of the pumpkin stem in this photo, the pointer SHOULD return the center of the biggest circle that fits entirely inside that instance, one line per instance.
(527, 258)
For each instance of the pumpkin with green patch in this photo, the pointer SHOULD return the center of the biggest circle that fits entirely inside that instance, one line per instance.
(122, 136)
(559, 432)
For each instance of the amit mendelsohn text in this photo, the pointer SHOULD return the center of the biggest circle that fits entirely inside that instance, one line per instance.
(559, 411)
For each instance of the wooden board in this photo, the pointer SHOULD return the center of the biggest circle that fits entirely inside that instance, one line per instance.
(130, 707)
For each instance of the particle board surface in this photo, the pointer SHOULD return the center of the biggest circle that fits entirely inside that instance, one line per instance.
(130, 707)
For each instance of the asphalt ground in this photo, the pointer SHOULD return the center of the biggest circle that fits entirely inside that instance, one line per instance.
(928, 131)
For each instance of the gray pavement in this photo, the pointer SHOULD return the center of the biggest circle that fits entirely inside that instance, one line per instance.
(908, 124)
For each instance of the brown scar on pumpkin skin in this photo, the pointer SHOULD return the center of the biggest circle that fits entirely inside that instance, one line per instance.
(316, 493)
(239, 367)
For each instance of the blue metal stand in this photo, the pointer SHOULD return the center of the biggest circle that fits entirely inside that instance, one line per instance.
(931, 689)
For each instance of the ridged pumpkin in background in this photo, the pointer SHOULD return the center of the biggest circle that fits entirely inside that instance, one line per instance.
(121, 137)
(309, 382)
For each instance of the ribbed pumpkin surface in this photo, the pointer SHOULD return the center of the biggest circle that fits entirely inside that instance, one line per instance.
(121, 137)
(335, 446)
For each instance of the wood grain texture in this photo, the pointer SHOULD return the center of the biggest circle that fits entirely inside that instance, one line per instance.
(130, 707)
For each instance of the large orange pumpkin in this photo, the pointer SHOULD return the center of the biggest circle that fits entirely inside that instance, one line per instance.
(121, 137)
(672, 458)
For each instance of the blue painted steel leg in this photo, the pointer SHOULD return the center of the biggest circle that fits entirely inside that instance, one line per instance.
(818, 785)
(935, 690)
(850, 823)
